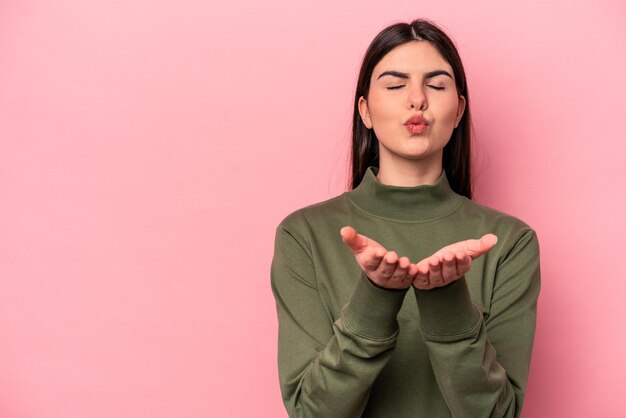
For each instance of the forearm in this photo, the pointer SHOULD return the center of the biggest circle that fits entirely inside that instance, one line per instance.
(336, 380)
(470, 378)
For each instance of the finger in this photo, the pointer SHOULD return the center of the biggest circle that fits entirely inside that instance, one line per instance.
(473, 247)
(463, 263)
(434, 263)
(375, 256)
(355, 241)
(423, 267)
(421, 280)
(434, 257)
(477, 247)
(434, 274)
(448, 268)
(402, 266)
(400, 275)
(488, 241)
(388, 264)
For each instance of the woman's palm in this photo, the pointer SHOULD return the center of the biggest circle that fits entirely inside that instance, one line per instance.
(382, 267)
(385, 269)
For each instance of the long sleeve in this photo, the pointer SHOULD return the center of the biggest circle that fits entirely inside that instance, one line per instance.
(327, 368)
(481, 364)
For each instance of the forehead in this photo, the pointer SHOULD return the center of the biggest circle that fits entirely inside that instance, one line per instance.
(413, 57)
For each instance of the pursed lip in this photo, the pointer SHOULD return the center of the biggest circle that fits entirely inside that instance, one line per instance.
(416, 120)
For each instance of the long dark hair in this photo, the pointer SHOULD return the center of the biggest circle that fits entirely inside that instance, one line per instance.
(456, 153)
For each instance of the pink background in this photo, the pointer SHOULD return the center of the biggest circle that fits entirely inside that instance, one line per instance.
(148, 151)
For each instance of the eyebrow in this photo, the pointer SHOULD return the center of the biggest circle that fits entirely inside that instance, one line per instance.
(429, 74)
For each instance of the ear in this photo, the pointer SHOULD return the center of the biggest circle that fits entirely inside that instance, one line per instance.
(364, 112)
(460, 110)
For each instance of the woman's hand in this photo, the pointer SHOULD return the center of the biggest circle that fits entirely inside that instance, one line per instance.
(451, 262)
(383, 267)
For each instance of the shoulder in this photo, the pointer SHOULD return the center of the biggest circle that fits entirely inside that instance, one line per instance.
(511, 230)
(500, 220)
(304, 217)
(495, 217)
(300, 223)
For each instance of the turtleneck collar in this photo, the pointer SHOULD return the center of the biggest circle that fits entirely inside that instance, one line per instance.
(414, 203)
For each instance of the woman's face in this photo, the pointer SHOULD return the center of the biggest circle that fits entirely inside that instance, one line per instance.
(421, 83)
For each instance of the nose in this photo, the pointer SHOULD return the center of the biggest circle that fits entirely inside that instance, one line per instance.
(417, 98)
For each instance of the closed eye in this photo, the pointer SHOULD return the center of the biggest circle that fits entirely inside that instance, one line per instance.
(399, 87)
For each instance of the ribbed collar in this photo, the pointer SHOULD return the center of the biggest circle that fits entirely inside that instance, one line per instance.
(413, 204)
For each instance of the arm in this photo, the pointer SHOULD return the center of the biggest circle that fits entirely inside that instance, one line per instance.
(481, 365)
(326, 368)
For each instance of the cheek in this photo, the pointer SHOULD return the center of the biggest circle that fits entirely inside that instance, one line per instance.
(381, 109)
(447, 116)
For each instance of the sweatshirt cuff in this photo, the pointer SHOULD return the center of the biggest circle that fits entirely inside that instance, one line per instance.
(372, 311)
(447, 311)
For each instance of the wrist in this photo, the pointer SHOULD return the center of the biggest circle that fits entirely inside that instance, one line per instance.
(386, 288)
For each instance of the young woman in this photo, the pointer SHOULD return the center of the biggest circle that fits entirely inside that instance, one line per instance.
(429, 309)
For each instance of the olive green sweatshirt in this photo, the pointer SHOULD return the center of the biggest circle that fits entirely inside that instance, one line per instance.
(347, 348)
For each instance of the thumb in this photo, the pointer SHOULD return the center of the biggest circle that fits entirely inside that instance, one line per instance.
(354, 240)
(487, 241)
(478, 247)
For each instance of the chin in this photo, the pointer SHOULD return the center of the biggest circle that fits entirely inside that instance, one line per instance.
(417, 148)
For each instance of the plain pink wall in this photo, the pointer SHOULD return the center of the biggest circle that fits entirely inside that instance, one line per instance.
(148, 150)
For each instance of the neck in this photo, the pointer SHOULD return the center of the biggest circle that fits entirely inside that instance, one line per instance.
(420, 203)
(397, 171)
